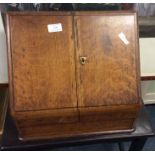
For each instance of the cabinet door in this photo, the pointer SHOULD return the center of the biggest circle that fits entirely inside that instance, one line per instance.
(107, 59)
(42, 60)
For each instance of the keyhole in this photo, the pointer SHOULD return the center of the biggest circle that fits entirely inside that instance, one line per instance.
(83, 60)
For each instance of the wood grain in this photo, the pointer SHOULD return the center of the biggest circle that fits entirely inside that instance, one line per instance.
(43, 71)
(75, 129)
(110, 113)
(109, 76)
(51, 94)
(46, 117)
(92, 121)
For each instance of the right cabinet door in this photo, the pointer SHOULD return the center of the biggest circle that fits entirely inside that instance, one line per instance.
(107, 59)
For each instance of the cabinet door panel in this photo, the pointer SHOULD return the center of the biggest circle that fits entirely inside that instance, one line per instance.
(43, 69)
(109, 73)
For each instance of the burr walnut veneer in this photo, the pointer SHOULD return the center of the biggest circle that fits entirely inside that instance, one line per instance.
(78, 77)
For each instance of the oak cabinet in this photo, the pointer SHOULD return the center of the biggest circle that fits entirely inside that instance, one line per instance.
(73, 73)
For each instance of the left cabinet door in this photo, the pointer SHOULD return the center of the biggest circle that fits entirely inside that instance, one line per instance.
(42, 62)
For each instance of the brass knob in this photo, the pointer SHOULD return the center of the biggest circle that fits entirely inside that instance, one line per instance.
(83, 60)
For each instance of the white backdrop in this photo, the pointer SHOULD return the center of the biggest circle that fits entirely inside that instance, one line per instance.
(147, 58)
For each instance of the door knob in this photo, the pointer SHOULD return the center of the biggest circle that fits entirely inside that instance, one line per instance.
(83, 60)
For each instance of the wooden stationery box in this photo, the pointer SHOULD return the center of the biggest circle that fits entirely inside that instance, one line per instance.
(73, 73)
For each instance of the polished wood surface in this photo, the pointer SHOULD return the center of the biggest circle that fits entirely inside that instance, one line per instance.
(43, 71)
(109, 76)
(77, 129)
(143, 129)
(55, 93)
(103, 113)
(44, 117)
(47, 125)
